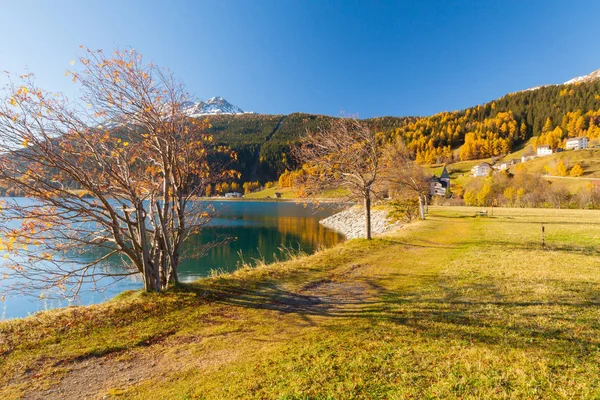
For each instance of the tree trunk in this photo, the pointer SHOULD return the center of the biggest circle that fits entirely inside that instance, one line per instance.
(367, 204)
(146, 265)
(421, 207)
(171, 273)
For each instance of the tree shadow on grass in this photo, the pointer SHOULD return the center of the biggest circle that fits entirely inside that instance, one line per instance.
(528, 245)
(439, 310)
(421, 243)
(548, 221)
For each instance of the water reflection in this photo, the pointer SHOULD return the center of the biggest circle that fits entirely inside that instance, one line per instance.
(261, 237)
(258, 230)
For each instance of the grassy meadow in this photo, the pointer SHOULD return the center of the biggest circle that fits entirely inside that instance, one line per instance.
(290, 193)
(456, 306)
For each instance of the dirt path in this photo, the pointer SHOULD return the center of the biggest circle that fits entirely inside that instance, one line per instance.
(109, 375)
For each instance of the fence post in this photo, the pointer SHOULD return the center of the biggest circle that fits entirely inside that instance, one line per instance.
(543, 234)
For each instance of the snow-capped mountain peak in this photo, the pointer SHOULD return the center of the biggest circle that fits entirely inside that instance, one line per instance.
(213, 106)
(586, 78)
(580, 79)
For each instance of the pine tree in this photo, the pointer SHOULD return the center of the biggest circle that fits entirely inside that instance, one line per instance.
(547, 125)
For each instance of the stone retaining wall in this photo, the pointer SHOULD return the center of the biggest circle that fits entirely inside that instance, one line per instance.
(352, 222)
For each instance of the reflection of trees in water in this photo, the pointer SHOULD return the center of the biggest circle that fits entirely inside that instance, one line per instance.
(256, 237)
(262, 240)
(307, 231)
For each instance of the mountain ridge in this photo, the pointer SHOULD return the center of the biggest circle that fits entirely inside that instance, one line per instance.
(592, 76)
(584, 78)
(214, 106)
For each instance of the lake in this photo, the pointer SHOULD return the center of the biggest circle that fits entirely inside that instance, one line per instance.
(258, 231)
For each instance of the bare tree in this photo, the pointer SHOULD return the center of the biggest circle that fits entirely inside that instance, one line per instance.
(556, 196)
(344, 155)
(136, 158)
(402, 174)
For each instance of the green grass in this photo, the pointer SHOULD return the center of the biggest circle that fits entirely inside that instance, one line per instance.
(456, 306)
(290, 193)
(526, 147)
(286, 193)
(570, 184)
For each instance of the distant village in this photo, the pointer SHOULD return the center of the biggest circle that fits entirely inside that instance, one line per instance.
(440, 186)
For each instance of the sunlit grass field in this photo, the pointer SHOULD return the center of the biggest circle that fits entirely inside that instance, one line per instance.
(456, 306)
(290, 193)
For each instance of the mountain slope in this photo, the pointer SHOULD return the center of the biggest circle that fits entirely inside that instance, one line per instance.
(550, 113)
(586, 78)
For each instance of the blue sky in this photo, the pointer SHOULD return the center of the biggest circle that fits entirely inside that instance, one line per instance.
(370, 58)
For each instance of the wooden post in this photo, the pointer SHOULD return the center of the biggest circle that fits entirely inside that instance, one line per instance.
(543, 238)
(421, 207)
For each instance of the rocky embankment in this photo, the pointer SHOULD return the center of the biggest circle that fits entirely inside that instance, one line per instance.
(352, 222)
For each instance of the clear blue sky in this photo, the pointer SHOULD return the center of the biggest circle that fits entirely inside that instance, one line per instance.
(369, 58)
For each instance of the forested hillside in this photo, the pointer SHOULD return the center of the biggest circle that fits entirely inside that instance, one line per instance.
(263, 143)
(551, 113)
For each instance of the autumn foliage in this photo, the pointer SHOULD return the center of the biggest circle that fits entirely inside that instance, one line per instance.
(126, 144)
(346, 153)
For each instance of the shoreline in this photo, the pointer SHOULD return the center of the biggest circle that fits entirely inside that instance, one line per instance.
(324, 209)
(351, 223)
(241, 199)
(272, 200)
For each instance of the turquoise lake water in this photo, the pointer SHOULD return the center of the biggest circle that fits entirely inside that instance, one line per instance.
(258, 230)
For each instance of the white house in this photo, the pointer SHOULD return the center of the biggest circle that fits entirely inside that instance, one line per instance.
(577, 143)
(504, 165)
(483, 169)
(236, 195)
(501, 166)
(527, 157)
(544, 151)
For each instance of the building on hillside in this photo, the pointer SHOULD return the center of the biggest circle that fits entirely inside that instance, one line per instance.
(577, 143)
(504, 165)
(440, 186)
(483, 169)
(501, 166)
(544, 151)
(528, 156)
(235, 195)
